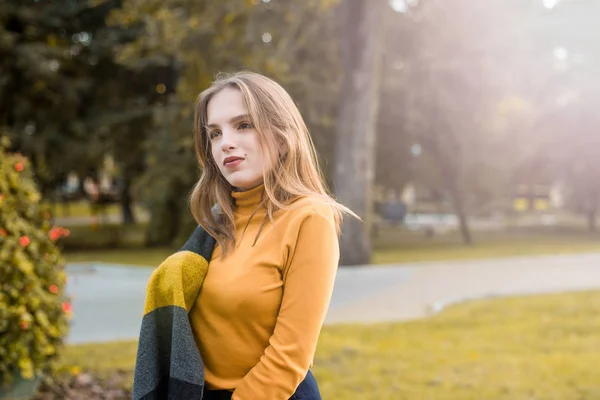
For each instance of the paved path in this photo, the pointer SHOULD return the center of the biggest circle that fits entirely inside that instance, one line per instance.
(432, 286)
(108, 301)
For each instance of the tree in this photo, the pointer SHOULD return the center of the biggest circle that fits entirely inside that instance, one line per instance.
(570, 154)
(41, 96)
(70, 101)
(559, 77)
(361, 40)
(291, 42)
(34, 306)
(440, 80)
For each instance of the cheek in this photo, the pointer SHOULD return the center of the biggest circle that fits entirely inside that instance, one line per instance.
(214, 152)
(255, 146)
(260, 158)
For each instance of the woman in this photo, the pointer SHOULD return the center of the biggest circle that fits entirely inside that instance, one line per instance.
(264, 299)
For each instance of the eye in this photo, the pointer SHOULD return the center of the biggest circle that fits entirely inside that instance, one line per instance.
(213, 133)
(245, 126)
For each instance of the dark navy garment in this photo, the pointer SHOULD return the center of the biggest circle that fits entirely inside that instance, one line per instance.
(307, 390)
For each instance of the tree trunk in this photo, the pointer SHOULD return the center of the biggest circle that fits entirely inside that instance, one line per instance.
(591, 218)
(126, 208)
(450, 172)
(459, 209)
(361, 40)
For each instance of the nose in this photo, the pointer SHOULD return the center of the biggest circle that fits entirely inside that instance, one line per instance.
(228, 141)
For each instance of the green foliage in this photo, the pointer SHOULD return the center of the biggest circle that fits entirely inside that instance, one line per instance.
(48, 75)
(71, 102)
(34, 307)
(292, 42)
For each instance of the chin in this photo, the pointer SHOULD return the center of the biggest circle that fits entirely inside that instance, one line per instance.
(241, 182)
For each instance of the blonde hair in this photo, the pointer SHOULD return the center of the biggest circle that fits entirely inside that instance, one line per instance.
(294, 173)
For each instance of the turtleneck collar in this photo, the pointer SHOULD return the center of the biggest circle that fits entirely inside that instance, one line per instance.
(247, 201)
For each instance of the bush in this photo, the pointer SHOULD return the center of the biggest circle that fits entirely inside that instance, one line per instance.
(34, 308)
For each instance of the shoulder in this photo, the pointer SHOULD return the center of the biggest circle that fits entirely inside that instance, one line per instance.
(311, 215)
(308, 229)
(310, 206)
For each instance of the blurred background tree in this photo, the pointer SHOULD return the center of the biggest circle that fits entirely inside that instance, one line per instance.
(466, 113)
(289, 41)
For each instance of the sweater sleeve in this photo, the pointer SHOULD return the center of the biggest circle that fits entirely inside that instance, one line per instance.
(308, 285)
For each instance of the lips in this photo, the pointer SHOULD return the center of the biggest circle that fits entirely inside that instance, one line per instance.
(232, 161)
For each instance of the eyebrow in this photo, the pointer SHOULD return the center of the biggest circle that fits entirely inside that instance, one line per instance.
(232, 120)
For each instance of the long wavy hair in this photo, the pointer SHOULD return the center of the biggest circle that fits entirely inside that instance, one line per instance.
(286, 143)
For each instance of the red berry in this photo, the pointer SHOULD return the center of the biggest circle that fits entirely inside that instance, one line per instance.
(53, 289)
(19, 167)
(66, 307)
(57, 232)
(24, 241)
(54, 234)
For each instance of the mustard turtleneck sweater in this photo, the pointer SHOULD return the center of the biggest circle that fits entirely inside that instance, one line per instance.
(260, 310)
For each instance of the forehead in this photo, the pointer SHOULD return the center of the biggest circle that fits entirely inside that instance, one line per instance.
(224, 105)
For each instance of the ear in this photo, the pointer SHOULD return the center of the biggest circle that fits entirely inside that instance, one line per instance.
(282, 148)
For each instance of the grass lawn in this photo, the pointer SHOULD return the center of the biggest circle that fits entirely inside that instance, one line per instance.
(82, 209)
(398, 246)
(535, 347)
(402, 246)
(144, 257)
(487, 245)
(79, 209)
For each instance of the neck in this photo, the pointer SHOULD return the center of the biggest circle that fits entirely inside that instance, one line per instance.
(239, 189)
(247, 201)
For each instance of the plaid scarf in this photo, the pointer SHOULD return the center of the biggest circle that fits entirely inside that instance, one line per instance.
(168, 364)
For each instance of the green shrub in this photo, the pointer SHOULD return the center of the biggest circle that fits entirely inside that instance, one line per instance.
(34, 308)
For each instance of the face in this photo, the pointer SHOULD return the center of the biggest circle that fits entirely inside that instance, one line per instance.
(234, 141)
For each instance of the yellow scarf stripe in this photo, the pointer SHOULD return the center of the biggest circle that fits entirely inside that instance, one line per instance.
(176, 281)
